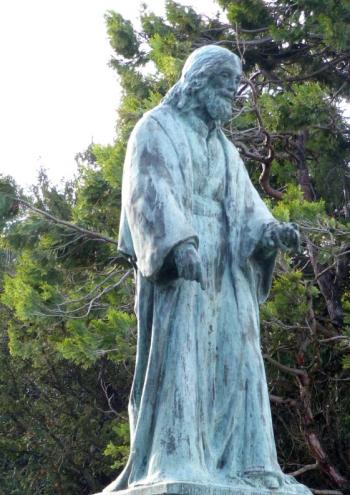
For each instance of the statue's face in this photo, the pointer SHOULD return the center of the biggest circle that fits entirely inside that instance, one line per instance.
(216, 98)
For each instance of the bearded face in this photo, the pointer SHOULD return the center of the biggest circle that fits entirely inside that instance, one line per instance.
(216, 97)
(217, 105)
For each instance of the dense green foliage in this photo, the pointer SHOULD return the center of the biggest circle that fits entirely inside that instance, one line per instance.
(66, 297)
(68, 338)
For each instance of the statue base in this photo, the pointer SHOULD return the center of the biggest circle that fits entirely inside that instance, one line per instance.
(186, 488)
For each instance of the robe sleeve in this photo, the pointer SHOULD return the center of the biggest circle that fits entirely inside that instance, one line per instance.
(257, 218)
(153, 217)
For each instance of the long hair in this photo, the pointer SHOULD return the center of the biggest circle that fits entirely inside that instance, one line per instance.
(198, 68)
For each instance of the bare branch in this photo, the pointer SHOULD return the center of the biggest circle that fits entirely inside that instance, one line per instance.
(88, 233)
(247, 153)
(264, 181)
(287, 369)
(265, 160)
(253, 31)
(255, 42)
(324, 67)
(335, 338)
(326, 492)
(105, 291)
(305, 469)
(281, 401)
(110, 396)
(90, 294)
(89, 305)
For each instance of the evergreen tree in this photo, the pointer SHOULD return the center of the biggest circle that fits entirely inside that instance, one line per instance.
(68, 330)
(68, 336)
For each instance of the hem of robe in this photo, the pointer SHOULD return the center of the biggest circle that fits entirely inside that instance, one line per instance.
(179, 487)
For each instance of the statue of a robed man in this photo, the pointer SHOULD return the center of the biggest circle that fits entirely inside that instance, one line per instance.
(203, 244)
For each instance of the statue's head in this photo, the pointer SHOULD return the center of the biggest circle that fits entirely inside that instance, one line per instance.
(209, 81)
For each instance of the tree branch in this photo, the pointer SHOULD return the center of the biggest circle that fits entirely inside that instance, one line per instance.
(281, 401)
(326, 492)
(324, 67)
(89, 305)
(286, 369)
(304, 469)
(87, 233)
(255, 42)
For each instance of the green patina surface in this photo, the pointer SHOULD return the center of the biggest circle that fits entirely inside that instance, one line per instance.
(204, 245)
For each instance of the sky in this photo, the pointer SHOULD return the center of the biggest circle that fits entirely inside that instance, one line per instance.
(57, 92)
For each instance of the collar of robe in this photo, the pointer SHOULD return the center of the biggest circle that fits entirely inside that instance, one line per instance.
(197, 124)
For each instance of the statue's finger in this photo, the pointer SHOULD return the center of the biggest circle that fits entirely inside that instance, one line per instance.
(274, 240)
(288, 235)
(281, 242)
(200, 279)
(291, 239)
(192, 271)
(179, 271)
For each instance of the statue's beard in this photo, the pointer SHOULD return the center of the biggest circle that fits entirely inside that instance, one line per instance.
(217, 104)
(219, 108)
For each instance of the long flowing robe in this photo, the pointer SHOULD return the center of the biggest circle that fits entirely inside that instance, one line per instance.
(199, 407)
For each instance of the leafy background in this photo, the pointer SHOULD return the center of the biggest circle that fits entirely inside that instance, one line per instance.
(68, 332)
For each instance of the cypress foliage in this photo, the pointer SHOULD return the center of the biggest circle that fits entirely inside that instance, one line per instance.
(66, 301)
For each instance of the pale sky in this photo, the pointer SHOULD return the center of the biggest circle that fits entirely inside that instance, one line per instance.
(57, 92)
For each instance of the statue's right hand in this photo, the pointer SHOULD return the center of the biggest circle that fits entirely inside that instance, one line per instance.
(188, 263)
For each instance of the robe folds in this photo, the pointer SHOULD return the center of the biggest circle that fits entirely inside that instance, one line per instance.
(199, 407)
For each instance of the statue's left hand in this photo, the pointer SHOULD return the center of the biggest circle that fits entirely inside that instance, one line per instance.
(188, 263)
(283, 235)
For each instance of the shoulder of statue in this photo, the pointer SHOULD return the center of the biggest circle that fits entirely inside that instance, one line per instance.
(165, 116)
(161, 118)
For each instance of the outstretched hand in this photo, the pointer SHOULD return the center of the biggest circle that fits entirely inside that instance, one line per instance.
(188, 263)
(283, 235)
